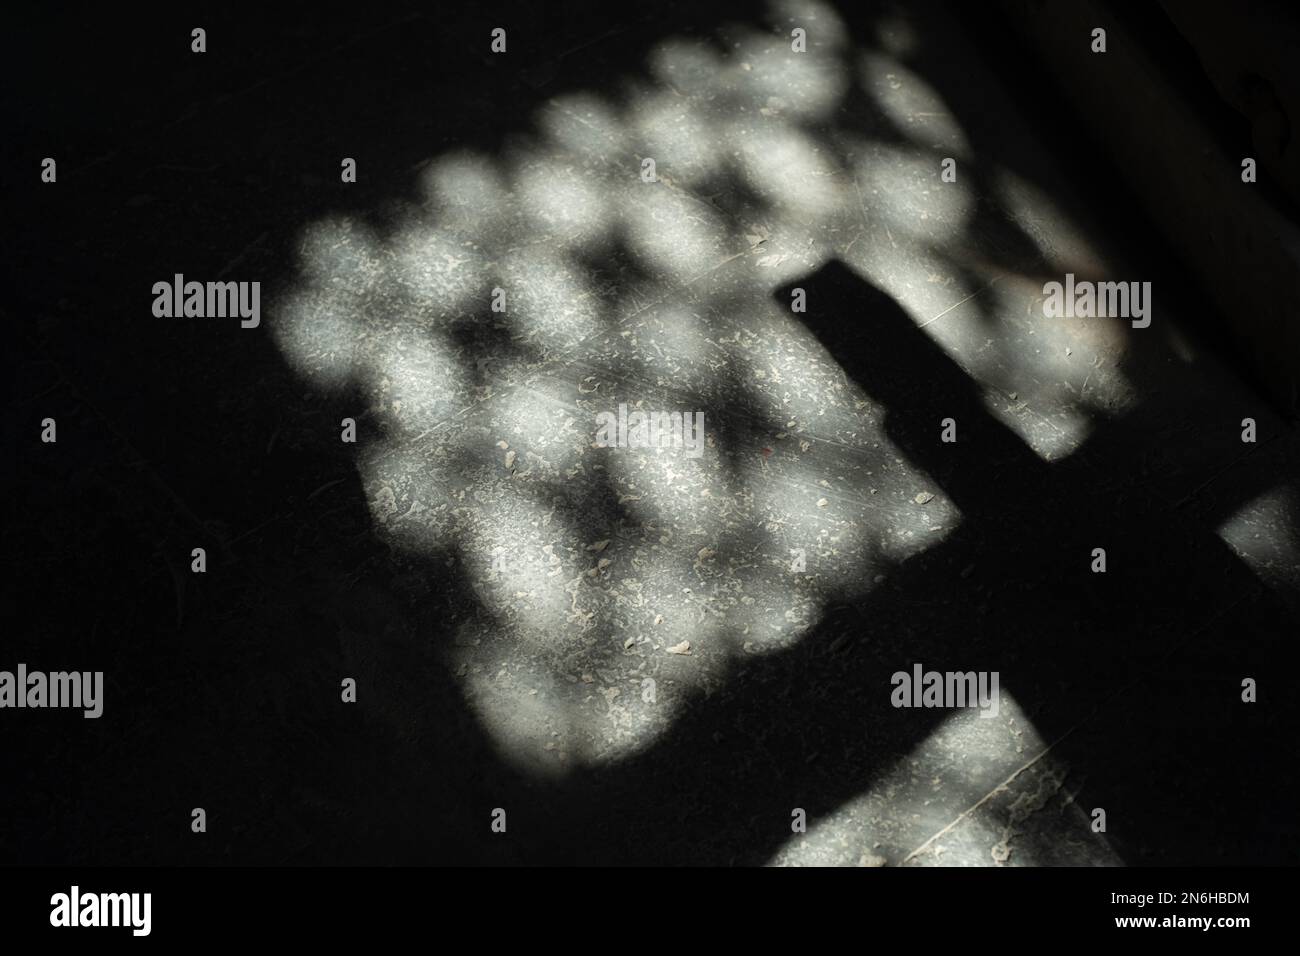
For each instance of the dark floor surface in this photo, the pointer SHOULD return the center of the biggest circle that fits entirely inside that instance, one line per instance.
(505, 594)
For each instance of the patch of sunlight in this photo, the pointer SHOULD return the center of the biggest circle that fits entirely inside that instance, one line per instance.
(585, 126)
(915, 107)
(559, 195)
(1263, 535)
(316, 332)
(785, 165)
(930, 806)
(925, 285)
(766, 75)
(682, 142)
(464, 183)
(671, 232)
(440, 273)
(902, 189)
(341, 254)
(550, 299)
(416, 384)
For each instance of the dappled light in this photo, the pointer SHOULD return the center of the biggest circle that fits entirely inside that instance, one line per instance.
(661, 291)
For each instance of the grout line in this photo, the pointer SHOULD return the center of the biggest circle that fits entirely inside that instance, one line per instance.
(988, 285)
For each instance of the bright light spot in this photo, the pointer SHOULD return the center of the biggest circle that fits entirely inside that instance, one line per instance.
(681, 141)
(317, 334)
(585, 126)
(439, 273)
(689, 66)
(916, 108)
(788, 167)
(465, 183)
(902, 188)
(551, 303)
(826, 31)
(560, 197)
(1262, 535)
(798, 86)
(671, 233)
(416, 383)
(340, 254)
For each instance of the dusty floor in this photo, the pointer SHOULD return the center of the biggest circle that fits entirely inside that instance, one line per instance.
(614, 644)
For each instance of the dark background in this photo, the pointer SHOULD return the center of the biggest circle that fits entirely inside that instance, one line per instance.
(222, 690)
